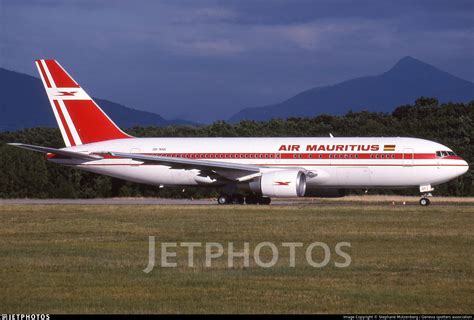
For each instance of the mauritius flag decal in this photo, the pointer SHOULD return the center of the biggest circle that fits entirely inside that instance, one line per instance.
(389, 147)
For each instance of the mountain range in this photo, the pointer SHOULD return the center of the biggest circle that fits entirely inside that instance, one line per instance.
(24, 104)
(409, 79)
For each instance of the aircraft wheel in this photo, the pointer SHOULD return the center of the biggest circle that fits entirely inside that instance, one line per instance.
(424, 202)
(238, 199)
(257, 200)
(264, 200)
(223, 199)
(250, 200)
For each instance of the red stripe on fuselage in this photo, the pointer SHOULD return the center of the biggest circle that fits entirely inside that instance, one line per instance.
(63, 121)
(304, 156)
(60, 77)
(298, 165)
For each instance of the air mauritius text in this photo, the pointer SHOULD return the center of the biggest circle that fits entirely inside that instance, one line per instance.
(263, 254)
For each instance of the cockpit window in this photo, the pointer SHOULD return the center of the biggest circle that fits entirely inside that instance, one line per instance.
(441, 154)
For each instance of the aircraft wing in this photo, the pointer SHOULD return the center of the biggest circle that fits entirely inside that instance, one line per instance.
(232, 171)
(60, 152)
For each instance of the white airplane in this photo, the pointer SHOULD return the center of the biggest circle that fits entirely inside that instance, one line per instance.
(260, 168)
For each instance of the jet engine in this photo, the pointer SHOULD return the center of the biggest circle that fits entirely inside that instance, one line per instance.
(281, 183)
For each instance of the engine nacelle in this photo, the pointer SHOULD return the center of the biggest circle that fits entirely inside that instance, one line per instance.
(281, 183)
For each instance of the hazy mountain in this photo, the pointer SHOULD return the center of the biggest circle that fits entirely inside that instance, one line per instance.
(23, 104)
(404, 83)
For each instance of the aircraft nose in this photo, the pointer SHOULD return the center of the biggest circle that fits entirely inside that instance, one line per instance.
(462, 169)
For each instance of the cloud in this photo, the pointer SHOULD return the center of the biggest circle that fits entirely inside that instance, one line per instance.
(209, 47)
(222, 55)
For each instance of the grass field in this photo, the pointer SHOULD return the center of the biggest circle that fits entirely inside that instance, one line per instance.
(89, 259)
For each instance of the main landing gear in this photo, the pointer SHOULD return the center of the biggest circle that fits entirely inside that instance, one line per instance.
(238, 199)
(233, 199)
(257, 200)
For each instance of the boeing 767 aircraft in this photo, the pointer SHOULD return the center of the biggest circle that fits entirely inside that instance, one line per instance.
(259, 168)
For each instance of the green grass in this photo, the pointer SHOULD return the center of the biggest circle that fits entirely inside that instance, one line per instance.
(89, 259)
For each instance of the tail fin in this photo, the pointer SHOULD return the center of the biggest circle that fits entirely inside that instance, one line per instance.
(79, 118)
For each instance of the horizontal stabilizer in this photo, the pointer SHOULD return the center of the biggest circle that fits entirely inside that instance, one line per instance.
(60, 152)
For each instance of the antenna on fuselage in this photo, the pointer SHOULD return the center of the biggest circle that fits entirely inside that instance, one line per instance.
(330, 134)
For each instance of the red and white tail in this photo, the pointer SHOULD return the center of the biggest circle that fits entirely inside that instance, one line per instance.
(79, 118)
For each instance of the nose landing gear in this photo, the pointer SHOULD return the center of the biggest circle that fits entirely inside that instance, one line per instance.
(424, 202)
(425, 193)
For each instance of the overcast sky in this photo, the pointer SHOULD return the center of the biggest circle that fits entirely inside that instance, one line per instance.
(205, 60)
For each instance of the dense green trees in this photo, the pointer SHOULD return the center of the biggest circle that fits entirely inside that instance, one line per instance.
(28, 174)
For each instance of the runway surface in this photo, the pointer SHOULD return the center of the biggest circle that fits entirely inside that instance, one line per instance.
(131, 201)
(349, 200)
(111, 201)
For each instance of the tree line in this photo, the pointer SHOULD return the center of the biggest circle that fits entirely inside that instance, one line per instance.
(27, 174)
